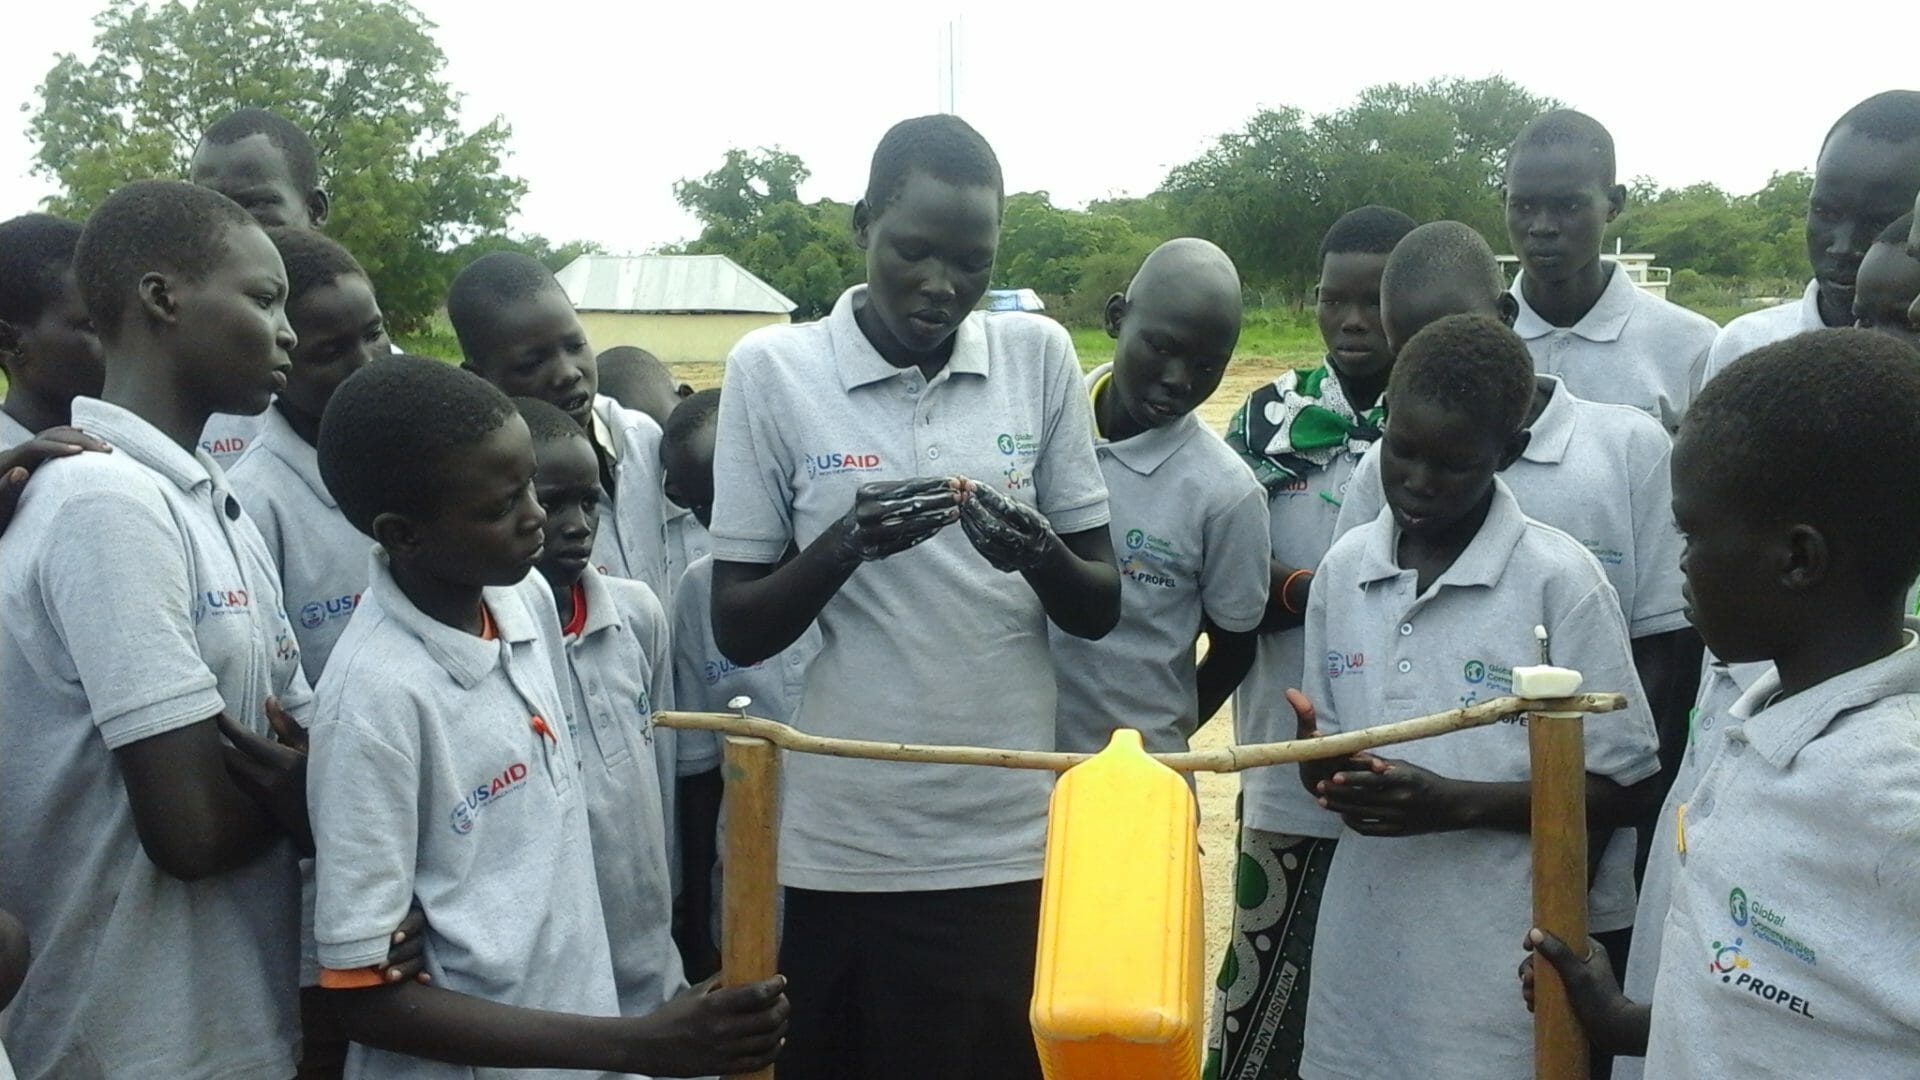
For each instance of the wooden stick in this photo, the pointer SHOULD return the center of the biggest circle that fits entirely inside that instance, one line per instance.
(1224, 760)
(749, 938)
(1559, 774)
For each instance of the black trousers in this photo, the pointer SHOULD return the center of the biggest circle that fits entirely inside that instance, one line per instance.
(927, 985)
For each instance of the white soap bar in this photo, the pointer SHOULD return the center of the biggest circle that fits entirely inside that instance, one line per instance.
(1540, 682)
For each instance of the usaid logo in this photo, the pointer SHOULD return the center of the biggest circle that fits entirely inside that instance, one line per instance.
(828, 464)
(1341, 663)
(468, 808)
(321, 612)
(221, 602)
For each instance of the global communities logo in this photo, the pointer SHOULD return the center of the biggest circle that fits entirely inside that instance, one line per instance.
(1135, 537)
(1005, 443)
(1731, 964)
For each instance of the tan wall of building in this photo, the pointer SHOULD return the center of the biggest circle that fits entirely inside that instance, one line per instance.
(676, 339)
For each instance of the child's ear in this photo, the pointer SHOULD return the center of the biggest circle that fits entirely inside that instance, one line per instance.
(1116, 312)
(1616, 200)
(318, 204)
(862, 224)
(397, 533)
(1516, 445)
(1509, 308)
(156, 298)
(1808, 557)
(9, 342)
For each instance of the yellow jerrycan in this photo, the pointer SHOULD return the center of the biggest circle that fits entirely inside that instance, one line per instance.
(1118, 984)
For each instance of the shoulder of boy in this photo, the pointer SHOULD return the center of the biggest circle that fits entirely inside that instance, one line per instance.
(639, 605)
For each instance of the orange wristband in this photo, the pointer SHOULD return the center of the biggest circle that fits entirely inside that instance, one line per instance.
(351, 979)
(1287, 586)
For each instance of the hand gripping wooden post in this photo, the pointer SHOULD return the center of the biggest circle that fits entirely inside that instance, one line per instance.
(749, 942)
(1556, 745)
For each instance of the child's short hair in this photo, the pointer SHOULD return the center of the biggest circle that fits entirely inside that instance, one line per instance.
(312, 259)
(1897, 232)
(35, 252)
(1889, 116)
(691, 416)
(1370, 230)
(387, 431)
(1566, 127)
(942, 146)
(545, 421)
(1470, 364)
(303, 165)
(493, 279)
(1767, 424)
(1441, 251)
(145, 226)
(634, 365)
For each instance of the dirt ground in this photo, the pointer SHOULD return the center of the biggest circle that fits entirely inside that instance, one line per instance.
(1217, 792)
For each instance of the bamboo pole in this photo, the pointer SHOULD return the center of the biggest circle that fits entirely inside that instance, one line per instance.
(1559, 773)
(1224, 760)
(749, 938)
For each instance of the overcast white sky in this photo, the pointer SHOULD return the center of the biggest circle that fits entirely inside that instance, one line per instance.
(611, 102)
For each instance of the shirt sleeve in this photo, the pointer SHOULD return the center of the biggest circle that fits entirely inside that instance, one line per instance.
(363, 795)
(1365, 498)
(688, 690)
(1591, 637)
(1658, 606)
(119, 596)
(1234, 576)
(1068, 487)
(752, 495)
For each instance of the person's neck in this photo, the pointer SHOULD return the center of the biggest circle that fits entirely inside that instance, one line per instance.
(563, 598)
(891, 350)
(1834, 638)
(148, 391)
(1542, 397)
(32, 412)
(307, 427)
(1114, 422)
(1565, 303)
(1831, 314)
(1362, 394)
(446, 602)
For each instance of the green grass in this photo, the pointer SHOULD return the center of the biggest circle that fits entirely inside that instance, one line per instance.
(1275, 333)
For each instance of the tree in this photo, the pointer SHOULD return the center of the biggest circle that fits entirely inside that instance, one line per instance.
(1045, 248)
(362, 77)
(750, 211)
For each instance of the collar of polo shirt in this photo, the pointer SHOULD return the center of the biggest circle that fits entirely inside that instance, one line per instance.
(1780, 731)
(860, 364)
(464, 657)
(1553, 431)
(1605, 321)
(602, 613)
(1482, 563)
(128, 434)
(278, 438)
(1147, 451)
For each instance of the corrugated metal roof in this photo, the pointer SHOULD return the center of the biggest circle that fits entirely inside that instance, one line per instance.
(660, 283)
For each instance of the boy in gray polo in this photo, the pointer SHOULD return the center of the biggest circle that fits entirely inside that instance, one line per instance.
(1582, 318)
(1428, 607)
(446, 768)
(1189, 520)
(142, 613)
(49, 351)
(913, 891)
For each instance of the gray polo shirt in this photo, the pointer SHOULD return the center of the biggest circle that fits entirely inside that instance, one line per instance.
(139, 600)
(1301, 516)
(1764, 327)
(704, 680)
(1632, 348)
(622, 673)
(1600, 473)
(687, 540)
(1190, 529)
(12, 432)
(429, 780)
(227, 436)
(1428, 927)
(1720, 686)
(322, 558)
(933, 644)
(1789, 947)
(632, 541)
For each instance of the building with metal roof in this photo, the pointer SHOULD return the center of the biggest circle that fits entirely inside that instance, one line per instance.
(681, 308)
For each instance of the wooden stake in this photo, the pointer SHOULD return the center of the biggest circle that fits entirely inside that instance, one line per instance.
(749, 936)
(1227, 759)
(1559, 772)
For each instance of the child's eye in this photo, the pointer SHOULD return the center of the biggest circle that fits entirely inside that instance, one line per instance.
(913, 252)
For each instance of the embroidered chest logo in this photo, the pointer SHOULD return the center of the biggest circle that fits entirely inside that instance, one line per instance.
(719, 667)
(1487, 680)
(846, 462)
(1341, 664)
(1152, 561)
(231, 445)
(320, 612)
(467, 810)
(1022, 445)
(1731, 960)
(221, 602)
(1768, 924)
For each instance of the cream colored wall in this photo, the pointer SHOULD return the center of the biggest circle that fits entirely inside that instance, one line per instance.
(675, 339)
